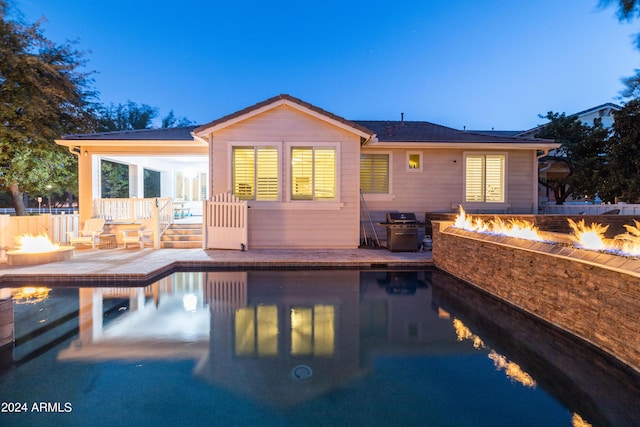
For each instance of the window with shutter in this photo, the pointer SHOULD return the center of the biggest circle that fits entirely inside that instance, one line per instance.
(485, 178)
(313, 173)
(374, 173)
(255, 173)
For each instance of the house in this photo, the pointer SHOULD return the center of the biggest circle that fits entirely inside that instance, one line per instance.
(304, 172)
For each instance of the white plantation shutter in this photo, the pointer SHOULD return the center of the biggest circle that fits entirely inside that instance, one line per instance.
(473, 179)
(244, 172)
(267, 173)
(301, 173)
(255, 173)
(324, 174)
(494, 178)
(485, 178)
(374, 173)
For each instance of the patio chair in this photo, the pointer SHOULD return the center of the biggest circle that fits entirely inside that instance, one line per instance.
(89, 235)
(141, 236)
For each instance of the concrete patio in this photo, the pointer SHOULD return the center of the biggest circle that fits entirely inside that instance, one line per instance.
(140, 267)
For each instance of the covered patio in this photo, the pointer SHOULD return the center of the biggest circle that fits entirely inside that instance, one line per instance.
(160, 173)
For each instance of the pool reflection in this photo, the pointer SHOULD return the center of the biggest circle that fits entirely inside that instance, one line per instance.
(285, 338)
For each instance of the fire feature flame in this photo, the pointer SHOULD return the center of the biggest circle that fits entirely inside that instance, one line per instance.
(28, 243)
(513, 228)
(590, 237)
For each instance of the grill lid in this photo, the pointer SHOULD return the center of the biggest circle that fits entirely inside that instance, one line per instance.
(401, 218)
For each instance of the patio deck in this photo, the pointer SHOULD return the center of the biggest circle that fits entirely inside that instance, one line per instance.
(101, 267)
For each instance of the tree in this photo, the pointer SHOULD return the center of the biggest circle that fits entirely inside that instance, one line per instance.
(623, 155)
(583, 151)
(627, 11)
(129, 116)
(43, 94)
(171, 121)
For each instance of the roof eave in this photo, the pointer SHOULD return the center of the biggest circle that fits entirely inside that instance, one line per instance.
(542, 145)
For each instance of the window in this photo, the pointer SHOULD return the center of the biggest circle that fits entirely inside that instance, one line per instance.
(484, 178)
(313, 173)
(255, 173)
(414, 161)
(374, 173)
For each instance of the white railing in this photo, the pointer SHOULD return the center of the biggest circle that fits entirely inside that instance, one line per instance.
(165, 214)
(586, 209)
(128, 210)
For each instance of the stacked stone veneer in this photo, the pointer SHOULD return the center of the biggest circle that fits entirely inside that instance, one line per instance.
(593, 295)
(6, 322)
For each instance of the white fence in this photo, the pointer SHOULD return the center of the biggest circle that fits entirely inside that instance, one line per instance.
(585, 209)
(55, 226)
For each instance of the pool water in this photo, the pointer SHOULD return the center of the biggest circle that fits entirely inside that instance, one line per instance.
(302, 348)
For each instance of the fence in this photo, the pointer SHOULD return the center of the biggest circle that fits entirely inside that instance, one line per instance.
(585, 209)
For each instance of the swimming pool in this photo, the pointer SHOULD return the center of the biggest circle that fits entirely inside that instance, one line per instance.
(325, 347)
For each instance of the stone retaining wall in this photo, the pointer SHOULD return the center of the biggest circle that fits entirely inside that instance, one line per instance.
(594, 296)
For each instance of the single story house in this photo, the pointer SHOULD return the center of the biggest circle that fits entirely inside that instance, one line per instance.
(312, 179)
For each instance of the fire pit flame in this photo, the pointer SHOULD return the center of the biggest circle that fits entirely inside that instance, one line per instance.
(28, 243)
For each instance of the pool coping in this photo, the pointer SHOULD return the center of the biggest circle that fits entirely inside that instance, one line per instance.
(135, 267)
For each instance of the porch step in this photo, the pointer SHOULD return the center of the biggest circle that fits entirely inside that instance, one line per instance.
(182, 236)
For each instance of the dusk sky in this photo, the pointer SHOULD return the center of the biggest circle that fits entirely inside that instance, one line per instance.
(467, 63)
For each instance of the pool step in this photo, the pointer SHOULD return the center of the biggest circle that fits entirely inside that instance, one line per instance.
(182, 236)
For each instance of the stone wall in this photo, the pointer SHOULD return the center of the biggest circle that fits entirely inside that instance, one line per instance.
(6, 322)
(594, 296)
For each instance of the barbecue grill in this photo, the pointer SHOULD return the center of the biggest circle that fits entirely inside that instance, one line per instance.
(402, 231)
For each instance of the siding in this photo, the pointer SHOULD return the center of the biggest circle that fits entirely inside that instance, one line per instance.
(440, 185)
(294, 224)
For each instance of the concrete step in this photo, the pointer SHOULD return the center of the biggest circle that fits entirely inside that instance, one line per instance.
(181, 244)
(182, 236)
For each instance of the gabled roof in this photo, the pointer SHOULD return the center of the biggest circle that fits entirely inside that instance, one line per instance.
(164, 134)
(579, 115)
(276, 101)
(608, 105)
(374, 132)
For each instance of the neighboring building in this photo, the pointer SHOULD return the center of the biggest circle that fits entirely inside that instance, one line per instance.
(301, 169)
(554, 166)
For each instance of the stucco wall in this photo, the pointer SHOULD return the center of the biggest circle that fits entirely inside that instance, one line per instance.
(594, 296)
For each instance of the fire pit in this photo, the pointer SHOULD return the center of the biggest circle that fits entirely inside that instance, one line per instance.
(33, 250)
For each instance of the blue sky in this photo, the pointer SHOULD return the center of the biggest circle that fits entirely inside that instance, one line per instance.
(474, 64)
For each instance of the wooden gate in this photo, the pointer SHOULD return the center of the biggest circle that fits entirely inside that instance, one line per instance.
(225, 218)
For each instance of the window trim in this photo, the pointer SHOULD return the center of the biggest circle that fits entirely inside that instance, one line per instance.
(380, 196)
(255, 145)
(505, 180)
(287, 175)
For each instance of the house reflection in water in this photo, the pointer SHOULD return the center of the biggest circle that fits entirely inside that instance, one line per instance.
(275, 336)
